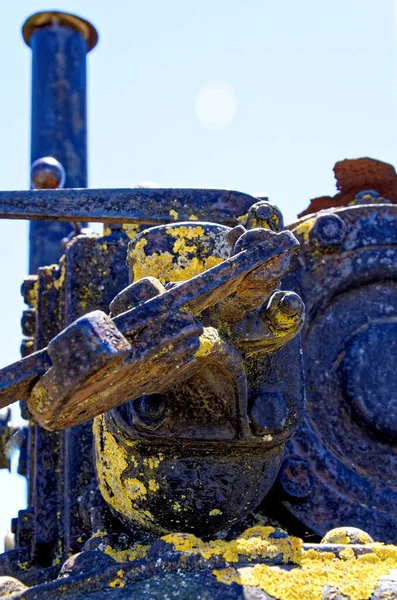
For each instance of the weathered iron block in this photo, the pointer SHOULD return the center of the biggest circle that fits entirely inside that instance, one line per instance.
(90, 345)
(188, 367)
(340, 467)
(210, 443)
(197, 373)
(82, 381)
(263, 563)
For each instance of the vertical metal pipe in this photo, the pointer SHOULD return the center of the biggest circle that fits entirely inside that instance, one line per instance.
(59, 43)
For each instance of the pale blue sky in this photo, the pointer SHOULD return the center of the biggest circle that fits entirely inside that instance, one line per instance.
(314, 82)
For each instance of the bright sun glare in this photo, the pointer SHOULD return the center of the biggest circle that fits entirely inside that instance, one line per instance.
(216, 104)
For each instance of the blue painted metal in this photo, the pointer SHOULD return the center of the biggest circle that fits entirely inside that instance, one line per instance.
(340, 466)
(59, 44)
(130, 205)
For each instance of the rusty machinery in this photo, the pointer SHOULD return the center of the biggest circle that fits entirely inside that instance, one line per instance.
(161, 393)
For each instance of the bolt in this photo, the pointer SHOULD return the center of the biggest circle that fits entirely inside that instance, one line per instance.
(47, 173)
(268, 413)
(281, 305)
(264, 211)
(372, 193)
(291, 304)
(369, 197)
(347, 535)
(264, 214)
(328, 230)
(296, 478)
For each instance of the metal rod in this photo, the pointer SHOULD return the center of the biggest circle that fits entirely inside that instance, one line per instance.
(59, 43)
(135, 205)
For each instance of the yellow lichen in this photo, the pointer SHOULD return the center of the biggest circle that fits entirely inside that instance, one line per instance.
(130, 229)
(346, 553)
(180, 247)
(304, 228)
(133, 460)
(313, 554)
(29, 345)
(214, 512)
(338, 535)
(118, 581)
(58, 283)
(36, 399)
(207, 341)
(308, 573)
(153, 485)
(135, 488)
(261, 531)
(364, 538)
(227, 576)
(346, 535)
(85, 296)
(33, 294)
(193, 218)
(185, 542)
(166, 266)
(384, 552)
(130, 443)
(111, 463)
(99, 534)
(280, 323)
(137, 552)
(369, 558)
(357, 578)
(252, 544)
(153, 462)
(173, 214)
(189, 233)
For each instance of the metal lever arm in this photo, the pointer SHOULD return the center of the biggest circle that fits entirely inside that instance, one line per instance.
(18, 379)
(94, 347)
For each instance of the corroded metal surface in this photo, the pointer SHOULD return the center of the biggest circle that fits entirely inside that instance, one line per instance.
(168, 417)
(353, 178)
(263, 563)
(74, 347)
(196, 349)
(167, 475)
(341, 466)
(59, 44)
(53, 19)
(195, 425)
(134, 205)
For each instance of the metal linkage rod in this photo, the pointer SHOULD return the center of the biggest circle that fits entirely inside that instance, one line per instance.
(135, 205)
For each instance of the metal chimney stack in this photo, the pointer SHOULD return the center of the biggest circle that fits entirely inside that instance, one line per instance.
(59, 43)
